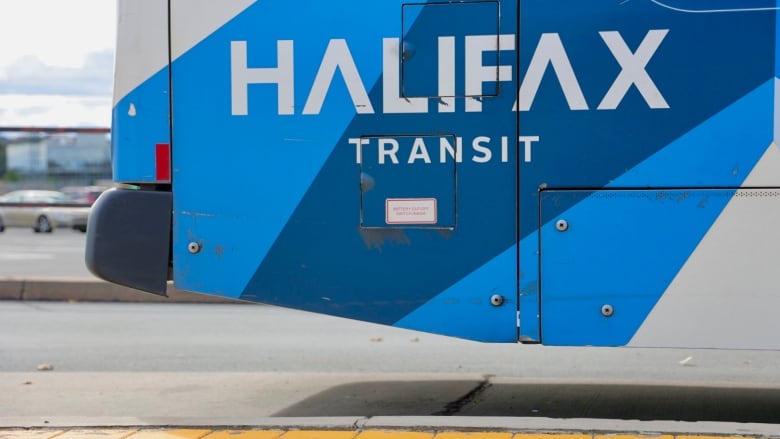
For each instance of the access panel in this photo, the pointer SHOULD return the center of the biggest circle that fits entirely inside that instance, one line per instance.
(662, 268)
(428, 59)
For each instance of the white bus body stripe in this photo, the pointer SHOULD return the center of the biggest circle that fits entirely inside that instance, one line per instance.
(142, 37)
(726, 294)
(142, 43)
(194, 20)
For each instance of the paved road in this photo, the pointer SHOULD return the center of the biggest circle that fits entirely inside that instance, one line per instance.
(111, 337)
(24, 253)
(163, 364)
(198, 364)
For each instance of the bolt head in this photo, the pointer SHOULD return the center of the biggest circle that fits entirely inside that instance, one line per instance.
(496, 300)
(193, 247)
(562, 225)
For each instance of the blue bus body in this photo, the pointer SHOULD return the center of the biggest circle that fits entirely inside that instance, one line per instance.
(563, 172)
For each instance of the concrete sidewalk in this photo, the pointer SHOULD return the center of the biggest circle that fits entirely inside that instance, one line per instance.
(93, 290)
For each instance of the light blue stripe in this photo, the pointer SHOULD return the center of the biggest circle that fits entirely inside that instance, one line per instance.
(285, 152)
(464, 310)
(625, 249)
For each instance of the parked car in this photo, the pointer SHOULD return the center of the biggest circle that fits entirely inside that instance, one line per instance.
(83, 194)
(41, 210)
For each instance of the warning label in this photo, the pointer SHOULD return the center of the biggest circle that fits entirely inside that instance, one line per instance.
(410, 211)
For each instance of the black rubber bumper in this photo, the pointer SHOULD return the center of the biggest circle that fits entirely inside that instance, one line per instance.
(129, 238)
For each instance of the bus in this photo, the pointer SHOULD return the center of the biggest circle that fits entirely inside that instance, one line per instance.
(561, 172)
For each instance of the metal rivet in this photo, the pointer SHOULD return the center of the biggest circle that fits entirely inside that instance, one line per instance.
(562, 225)
(607, 310)
(496, 300)
(193, 247)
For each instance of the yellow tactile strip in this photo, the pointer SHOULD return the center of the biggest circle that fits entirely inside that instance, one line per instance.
(149, 433)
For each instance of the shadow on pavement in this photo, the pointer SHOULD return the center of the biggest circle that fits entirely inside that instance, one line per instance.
(600, 401)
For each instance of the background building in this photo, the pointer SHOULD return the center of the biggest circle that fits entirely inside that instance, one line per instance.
(36, 160)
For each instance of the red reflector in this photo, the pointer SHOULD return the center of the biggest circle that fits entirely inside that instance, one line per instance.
(162, 162)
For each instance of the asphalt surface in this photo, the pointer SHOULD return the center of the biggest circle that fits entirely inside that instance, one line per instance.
(25, 254)
(121, 364)
(68, 360)
(50, 266)
(179, 337)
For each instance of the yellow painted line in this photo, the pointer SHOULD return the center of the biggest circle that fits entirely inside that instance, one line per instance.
(244, 434)
(170, 434)
(185, 433)
(29, 434)
(96, 434)
(553, 436)
(314, 434)
(375, 434)
(474, 435)
(680, 436)
(633, 436)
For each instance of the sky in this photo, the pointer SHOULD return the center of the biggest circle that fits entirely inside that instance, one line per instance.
(56, 62)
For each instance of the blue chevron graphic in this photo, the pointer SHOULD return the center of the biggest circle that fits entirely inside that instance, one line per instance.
(276, 193)
(287, 153)
(628, 245)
